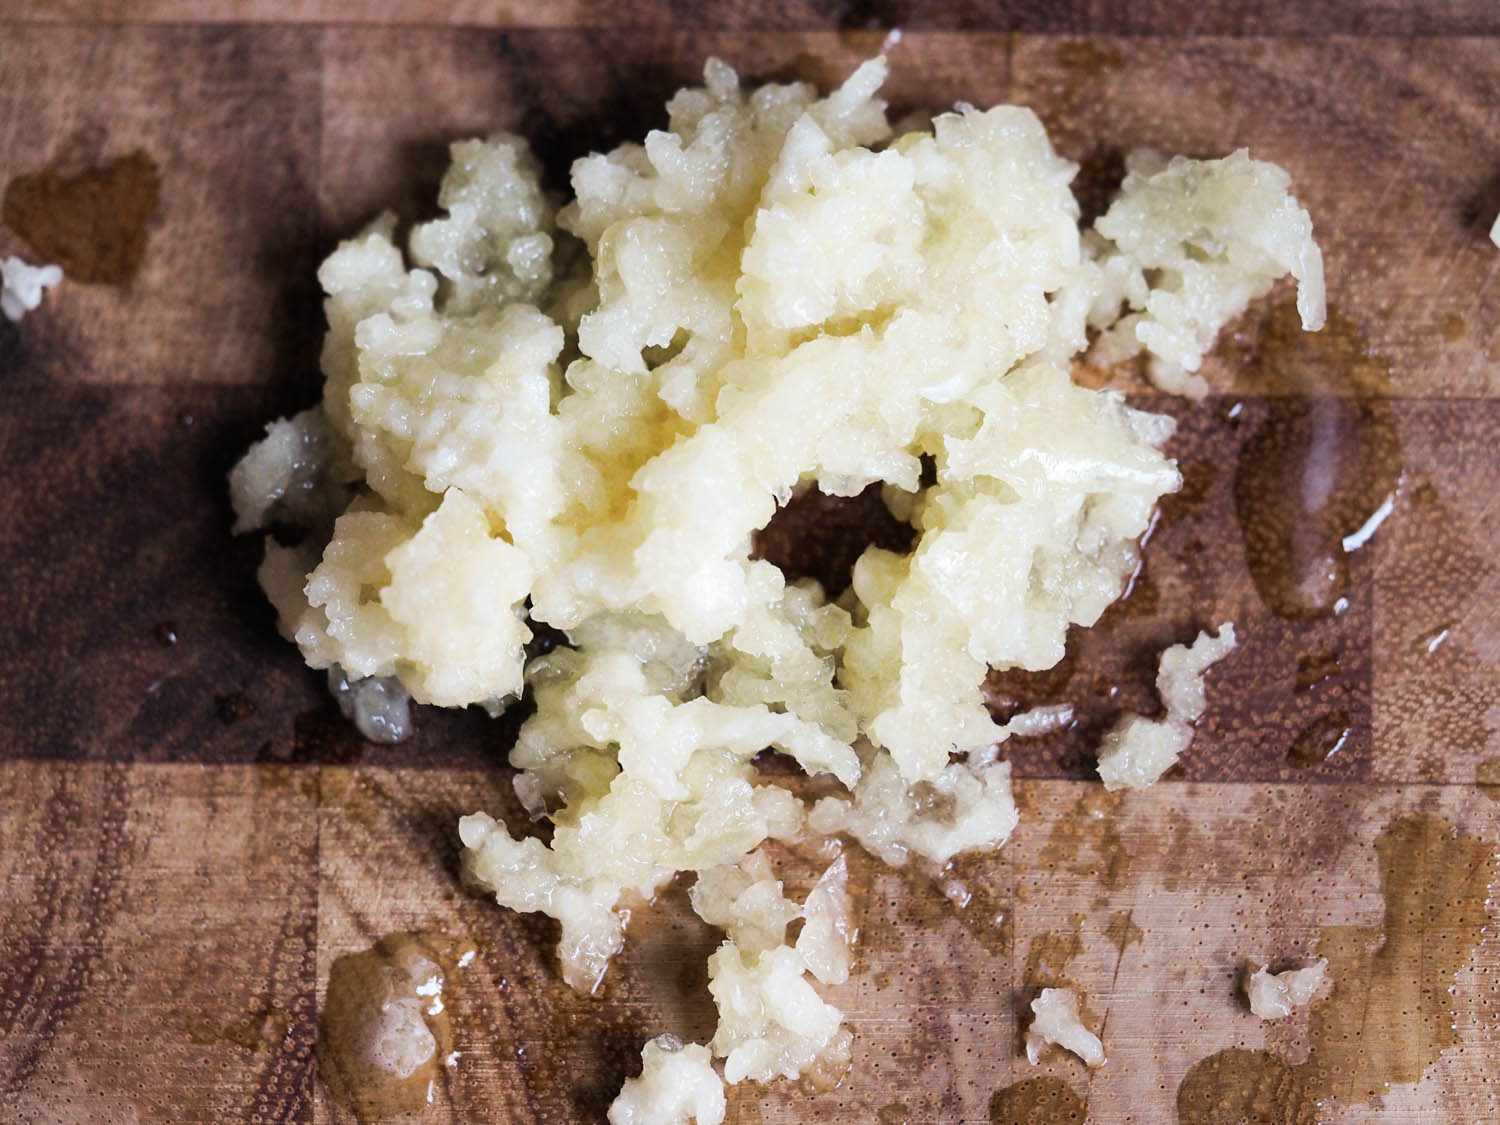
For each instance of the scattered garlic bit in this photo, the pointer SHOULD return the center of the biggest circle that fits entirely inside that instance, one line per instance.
(1186, 246)
(1137, 751)
(22, 286)
(1272, 996)
(378, 705)
(1055, 1020)
(677, 1086)
(828, 934)
(962, 809)
(771, 1020)
(1039, 721)
(1179, 676)
(1495, 231)
(285, 476)
(1032, 723)
(616, 839)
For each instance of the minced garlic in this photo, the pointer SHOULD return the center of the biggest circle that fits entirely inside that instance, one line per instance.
(22, 286)
(1272, 996)
(677, 1086)
(1055, 1019)
(579, 413)
(1137, 750)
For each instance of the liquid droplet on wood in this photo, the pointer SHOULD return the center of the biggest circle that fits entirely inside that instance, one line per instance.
(1390, 1013)
(1239, 1085)
(1316, 669)
(1037, 1101)
(1432, 640)
(386, 1035)
(92, 223)
(1321, 469)
(1321, 740)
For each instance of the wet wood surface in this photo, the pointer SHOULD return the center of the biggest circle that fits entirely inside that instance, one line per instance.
(190, 836)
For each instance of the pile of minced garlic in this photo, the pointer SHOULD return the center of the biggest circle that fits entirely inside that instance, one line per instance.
(580, 414)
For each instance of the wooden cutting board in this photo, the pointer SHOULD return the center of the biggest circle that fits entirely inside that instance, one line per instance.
(189, 835)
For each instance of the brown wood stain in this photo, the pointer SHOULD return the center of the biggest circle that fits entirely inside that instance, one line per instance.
(971, 888)
(1037, 1101)
(1487, 777)
(258, 1032)
(1321, 739)
(1322, 460)
(1123, 932)
(1390, 1013)
(261, 1030)
(386, 1036)
(1050, 953)
(1243, 1086)
(986, 911)
(1086, 839)
(92, 223)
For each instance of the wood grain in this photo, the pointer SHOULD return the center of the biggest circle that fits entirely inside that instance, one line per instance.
(1150, 17)
(158, 942)
(390, 125)
(935, 995)
(129, 933)
(230, 118)
(191, 835)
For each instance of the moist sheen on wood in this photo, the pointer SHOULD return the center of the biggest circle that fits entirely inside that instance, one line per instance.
(386, 1041)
